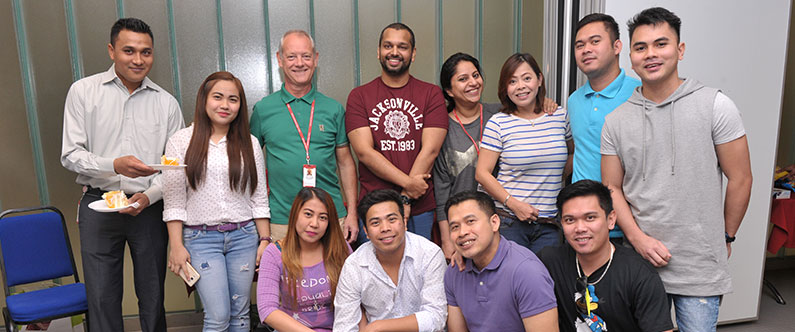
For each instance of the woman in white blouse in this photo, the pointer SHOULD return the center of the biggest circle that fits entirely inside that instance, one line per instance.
(218, 206)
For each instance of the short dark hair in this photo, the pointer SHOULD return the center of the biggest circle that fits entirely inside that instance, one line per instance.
(132, 24)
(448, 70)
(586, 188)
(610, 24)
(378, 196)
(484, 201)
(397, 26)
(655, 16)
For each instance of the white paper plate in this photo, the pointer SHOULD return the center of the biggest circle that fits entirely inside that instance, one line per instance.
(161, 167)
(101, 206)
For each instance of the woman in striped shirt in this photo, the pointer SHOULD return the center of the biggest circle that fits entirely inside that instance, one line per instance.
(534, 152)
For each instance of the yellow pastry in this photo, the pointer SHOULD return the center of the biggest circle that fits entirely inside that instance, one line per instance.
(115, 199)
(169, 161)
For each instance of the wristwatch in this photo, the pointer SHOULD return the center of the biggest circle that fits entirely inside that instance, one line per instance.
(406, 200)
(266, 238)
(730, 239)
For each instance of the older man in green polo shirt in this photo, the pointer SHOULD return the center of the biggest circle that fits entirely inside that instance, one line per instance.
(302, 131)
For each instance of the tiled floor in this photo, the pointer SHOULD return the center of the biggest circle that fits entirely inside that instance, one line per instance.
(773, 317)
(176, 322)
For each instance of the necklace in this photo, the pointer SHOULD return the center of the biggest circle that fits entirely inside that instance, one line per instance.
(579, 274)
(533, 121)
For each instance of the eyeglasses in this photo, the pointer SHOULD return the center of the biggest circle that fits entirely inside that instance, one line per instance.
(580, 287)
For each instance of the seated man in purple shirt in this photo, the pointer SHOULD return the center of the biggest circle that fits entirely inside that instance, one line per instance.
(503, 286)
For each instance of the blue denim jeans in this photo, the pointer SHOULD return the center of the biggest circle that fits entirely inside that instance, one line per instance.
(531, 235)
(225, 262)
(421, 224)
(696, 313)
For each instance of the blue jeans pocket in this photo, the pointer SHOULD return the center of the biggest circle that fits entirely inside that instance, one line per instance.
(191, 234)
(506, 221)
(251, 228)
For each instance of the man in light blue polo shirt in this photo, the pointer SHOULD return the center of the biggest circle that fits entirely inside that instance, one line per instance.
(596, 49)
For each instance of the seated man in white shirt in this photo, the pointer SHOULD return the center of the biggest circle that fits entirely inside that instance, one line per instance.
(395, 279)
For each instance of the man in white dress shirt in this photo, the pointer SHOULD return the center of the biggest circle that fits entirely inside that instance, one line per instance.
(396, 278)
(115, 123)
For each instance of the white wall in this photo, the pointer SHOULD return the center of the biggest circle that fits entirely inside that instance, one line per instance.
(739, 47)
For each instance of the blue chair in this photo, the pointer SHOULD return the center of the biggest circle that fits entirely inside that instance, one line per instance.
(35, 247)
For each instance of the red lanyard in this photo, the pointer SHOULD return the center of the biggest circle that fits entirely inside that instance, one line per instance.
(477, 149)
(309, 131)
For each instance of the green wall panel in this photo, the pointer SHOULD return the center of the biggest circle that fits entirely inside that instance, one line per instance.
(533, 29)
(154, 13)
(284, 15)
(197, 48)
(52, 75)
(373, 17)
(19, 188)
(459, 28)
(497, 43)
(93, 20)
(420, 16)
(334, 41)
(244, 36)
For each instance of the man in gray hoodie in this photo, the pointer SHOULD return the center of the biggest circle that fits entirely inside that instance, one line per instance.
(664, 153)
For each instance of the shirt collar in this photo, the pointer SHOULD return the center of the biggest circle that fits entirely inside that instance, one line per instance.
(410, 250)
(289, 98)
(110, 76)
(611, 90)
(502, 251)
(220, 141)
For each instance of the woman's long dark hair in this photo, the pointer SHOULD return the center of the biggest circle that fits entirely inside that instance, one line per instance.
(448, 70)
(508, 69)
(242, 167)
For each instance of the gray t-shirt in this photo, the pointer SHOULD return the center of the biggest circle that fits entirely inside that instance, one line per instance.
(454, 168)
(672, 180)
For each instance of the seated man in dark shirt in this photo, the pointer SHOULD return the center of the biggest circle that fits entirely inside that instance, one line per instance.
(599, 286)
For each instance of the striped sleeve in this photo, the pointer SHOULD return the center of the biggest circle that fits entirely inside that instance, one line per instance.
(492, 137)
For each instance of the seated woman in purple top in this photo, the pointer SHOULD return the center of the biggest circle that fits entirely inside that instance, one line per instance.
(298, 275)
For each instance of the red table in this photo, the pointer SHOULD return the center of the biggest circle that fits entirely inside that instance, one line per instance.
(782, 217)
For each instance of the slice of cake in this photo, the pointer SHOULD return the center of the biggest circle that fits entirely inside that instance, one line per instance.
(169, 161)
(115, 199)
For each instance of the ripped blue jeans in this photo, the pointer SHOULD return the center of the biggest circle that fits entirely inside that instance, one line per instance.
(225, 261)
(696, 313)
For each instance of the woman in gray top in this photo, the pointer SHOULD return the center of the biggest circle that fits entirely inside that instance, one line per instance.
(454, 168)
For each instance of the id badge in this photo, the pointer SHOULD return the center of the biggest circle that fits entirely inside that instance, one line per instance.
(310, 175)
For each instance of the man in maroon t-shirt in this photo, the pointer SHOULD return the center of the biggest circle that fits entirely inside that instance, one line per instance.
(396, 125)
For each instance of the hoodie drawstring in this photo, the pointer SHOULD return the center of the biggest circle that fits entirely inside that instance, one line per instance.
(673, 137)
(643, 142)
